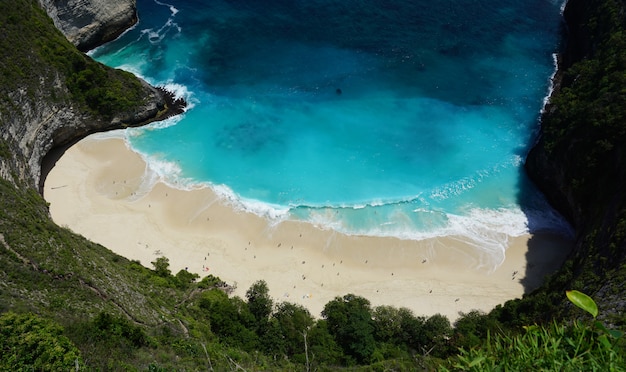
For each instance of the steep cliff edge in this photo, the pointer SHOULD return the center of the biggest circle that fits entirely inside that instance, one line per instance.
(579, 161)
(89, 23)
(52, 94)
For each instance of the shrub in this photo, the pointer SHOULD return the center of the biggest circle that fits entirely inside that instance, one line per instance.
(29, 342)
(581, 346)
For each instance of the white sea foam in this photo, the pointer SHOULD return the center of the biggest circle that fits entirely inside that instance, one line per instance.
(508, 221)
(274, 213)
(417, 217)
(546, 99)
(487, 230)
(165, 170)
(133, 69)
(170, 6)
(156, 36)
(93, 51)
(457, 187)
(326, 220)
(180, 91)
(117, 133)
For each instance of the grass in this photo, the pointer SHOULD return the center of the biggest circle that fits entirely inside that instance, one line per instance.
(553, 348)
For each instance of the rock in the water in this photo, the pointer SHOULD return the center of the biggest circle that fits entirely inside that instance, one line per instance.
(89, 23)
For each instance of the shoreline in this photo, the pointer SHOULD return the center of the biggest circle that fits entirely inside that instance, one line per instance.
(97, 190)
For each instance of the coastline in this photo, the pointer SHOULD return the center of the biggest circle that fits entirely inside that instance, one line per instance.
(96, 189)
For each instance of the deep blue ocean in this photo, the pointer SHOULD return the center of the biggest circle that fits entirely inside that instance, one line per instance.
(377, 117)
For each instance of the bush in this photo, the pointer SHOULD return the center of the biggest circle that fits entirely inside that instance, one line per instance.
(29, 342)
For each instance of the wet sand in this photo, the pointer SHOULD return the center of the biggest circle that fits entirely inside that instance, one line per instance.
(100, 189)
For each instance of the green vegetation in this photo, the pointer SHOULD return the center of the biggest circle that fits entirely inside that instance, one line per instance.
(581, 346)
(39, 53)
(552, 348)
(68, 303)
(32, 343)
(579, 164)
(122, 315)
(591, 105)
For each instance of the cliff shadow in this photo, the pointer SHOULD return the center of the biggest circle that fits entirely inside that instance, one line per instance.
(552, 237)
(49, 161)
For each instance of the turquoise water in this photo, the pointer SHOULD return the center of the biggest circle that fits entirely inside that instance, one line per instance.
(407, 119)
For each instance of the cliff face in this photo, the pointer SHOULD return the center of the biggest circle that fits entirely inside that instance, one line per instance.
(579, 161)
(40, 124)
(51, 94)
(89, 23)
(547, 168)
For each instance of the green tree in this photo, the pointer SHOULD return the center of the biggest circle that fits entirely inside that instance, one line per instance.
(412, 330)
(108, 339)
(437, 331)
(471, 328)
(185, 279)
(387, 325)
(294, 321)
(350, 322)
(399, 327)
(161, 267)
(116, 330)
(324, 350)
(230, 319)
(260, 305)
(259, 302)
(29, 342)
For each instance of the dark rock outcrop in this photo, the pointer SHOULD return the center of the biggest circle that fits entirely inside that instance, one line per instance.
(89, 23)
(579, 161)
(568, 161)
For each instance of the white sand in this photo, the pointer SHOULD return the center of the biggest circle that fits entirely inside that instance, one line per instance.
(97, 189)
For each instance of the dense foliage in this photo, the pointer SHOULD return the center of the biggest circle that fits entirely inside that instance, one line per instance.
(579, 163)
(551, 348)
(581, 346)
(111, 313)
(33, 343)
(587, 117)
(68, 302)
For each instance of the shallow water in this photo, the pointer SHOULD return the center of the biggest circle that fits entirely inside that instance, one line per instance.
(369, 117)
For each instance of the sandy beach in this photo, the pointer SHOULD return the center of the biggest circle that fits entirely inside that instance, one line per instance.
(99, 189)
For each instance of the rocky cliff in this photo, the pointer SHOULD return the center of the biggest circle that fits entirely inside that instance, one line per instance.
(579, 161)
(51, 94)
(50, 97)
(89, 23)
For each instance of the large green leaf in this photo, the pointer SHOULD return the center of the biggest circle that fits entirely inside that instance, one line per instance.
(583, 301)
